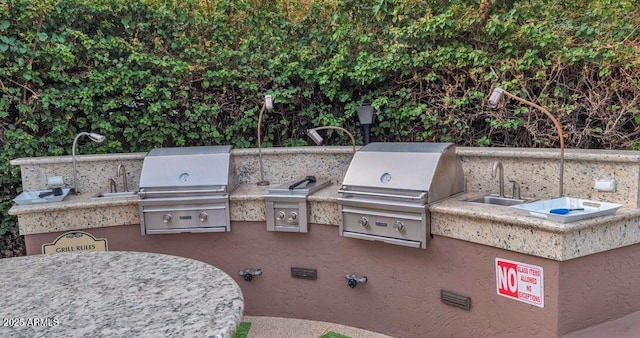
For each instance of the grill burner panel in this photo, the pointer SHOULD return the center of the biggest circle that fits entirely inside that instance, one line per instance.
(183, 214)
(385, 226)
(286, 209)
(388, 187)
(186, 190)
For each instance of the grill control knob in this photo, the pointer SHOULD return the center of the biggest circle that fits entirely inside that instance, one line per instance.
(166, 218)
(203, 216)
(293, 216)
(399, 226)
(280, 215)
(363, 221)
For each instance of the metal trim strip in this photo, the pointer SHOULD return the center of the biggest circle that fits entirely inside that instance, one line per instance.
(411, 216)
(180, 230)
(420, 197)
(177, 193)
(402, 242)
(195, 208)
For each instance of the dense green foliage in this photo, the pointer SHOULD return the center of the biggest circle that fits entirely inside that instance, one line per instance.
(149, 73)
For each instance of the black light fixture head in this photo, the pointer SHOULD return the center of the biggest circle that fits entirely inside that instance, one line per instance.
(365, 115)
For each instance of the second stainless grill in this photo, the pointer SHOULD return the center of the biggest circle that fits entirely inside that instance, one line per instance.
(388, 187)
(186, 190)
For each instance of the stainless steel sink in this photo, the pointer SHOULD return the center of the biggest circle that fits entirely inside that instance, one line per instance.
(497, 200)
(122, 194)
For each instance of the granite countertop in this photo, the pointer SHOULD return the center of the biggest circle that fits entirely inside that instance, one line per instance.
(77, 212)
(116, 294)
(458, 205)
(504, 227)
(493, 225)
(72, 202)
(244, 192)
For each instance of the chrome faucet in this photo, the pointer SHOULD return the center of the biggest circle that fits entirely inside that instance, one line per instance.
(497, 166)
(515, 189)
(122, 171)
(112, 185)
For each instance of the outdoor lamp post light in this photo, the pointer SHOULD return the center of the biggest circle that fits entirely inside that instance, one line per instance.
(494, 101)
(313, 134)
(268, 105)
(95, 138)
(365, 115)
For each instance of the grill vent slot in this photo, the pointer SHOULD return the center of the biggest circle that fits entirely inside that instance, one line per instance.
(453, 299)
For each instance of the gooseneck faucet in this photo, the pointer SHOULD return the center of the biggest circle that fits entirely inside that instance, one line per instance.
(498, 169)
(122, 171)
(268, 105)
(493, 102)
(95, 138)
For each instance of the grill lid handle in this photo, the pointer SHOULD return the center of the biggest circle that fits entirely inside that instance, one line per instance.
(376, 194)
(308, 179)
(177, 193)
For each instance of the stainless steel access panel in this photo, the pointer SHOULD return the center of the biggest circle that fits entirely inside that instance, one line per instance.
(286, 205)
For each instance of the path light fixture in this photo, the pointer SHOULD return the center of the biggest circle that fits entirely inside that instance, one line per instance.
(268, 105)
(365, 115)
(313, 134)
(494, 101)
(95, 138)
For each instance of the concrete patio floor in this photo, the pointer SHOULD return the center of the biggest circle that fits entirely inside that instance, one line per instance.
(267, 327)
(275, 327)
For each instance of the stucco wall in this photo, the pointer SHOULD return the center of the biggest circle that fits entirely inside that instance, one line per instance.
(401, 298)
(598, 288)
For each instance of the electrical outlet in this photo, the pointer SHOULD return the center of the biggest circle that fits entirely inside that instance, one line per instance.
(608, 185)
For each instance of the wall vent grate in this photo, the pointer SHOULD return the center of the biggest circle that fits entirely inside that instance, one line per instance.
(454, 299)
(304, 273)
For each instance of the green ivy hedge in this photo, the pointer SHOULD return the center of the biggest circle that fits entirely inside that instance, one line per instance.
(149, 73)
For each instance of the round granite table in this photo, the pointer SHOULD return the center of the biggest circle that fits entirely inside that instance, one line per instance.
(116, 294)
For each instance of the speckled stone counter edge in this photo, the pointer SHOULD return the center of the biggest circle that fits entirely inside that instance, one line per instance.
(501, 227)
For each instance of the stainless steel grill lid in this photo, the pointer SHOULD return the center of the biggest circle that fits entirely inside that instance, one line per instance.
(186, 190)
(191, 168)
(408, 167)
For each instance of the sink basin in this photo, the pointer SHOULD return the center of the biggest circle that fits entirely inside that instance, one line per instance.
(497, 200)
(116, 194)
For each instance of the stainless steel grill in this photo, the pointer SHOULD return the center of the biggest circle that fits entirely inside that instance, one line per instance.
(388, 187)
(186, 190)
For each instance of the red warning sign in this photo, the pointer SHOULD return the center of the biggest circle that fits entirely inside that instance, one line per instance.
(519, 281)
